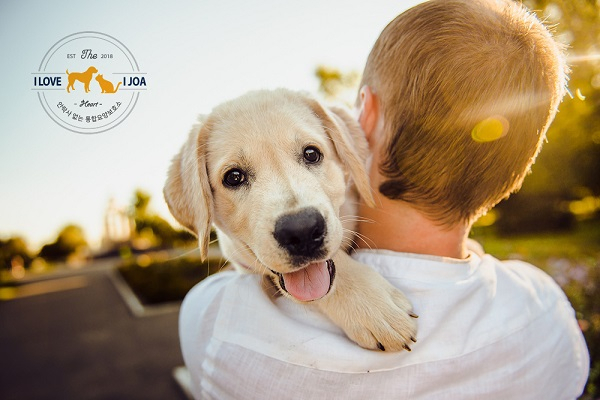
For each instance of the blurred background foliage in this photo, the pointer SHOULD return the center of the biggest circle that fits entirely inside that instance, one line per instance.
(69, 243)
(565, 182)
(151, 230)
(158, 279)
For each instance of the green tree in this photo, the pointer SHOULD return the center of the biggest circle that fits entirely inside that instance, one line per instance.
(141, 201)
(568, 167)
(151, 228)
(70, 240)
(337, 85)
(11, 248)
(570, 160)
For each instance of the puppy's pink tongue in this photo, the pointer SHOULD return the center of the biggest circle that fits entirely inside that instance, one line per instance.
(310, 283)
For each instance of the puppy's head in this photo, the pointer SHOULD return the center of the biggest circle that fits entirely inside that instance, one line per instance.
(271, 170)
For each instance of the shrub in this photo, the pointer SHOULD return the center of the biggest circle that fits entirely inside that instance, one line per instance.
(164, 281)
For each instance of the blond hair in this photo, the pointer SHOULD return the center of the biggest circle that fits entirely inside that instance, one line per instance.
(446, 71)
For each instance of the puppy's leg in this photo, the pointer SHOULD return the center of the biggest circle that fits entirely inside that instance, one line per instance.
(368, 308)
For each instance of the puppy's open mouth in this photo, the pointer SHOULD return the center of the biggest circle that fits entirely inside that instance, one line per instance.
(309, 283)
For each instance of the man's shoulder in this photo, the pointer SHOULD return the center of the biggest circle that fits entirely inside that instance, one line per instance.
(532, 305)
(528, 279)
(494, 298)
(480, 269)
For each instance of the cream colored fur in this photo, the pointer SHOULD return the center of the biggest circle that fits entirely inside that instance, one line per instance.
(264, 133)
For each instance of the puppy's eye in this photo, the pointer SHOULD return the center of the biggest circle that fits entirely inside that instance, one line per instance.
(234, 177)
(312, 155)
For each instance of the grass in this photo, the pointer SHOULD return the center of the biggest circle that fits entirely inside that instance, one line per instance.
(581, 245)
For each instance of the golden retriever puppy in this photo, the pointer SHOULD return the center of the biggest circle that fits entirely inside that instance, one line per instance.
(278, 175)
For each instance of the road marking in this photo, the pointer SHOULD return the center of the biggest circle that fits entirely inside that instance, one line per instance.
(44, 287)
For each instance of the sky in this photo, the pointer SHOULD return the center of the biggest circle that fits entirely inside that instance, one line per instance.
(196, 54)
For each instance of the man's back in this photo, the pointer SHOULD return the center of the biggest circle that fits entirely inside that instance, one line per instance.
(482, 325)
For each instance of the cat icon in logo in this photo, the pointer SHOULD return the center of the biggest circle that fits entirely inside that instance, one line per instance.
(83, 77)
(106, 85)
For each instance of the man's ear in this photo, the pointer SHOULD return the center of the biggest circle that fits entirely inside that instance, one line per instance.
(369, 113)
(187, 189)
(350, 144)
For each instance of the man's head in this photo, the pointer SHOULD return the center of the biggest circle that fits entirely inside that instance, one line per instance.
(466, 90)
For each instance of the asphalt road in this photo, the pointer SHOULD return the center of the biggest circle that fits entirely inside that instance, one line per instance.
(74, 338)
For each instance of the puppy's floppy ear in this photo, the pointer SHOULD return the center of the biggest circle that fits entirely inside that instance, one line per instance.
(350, 144)
(187, 190)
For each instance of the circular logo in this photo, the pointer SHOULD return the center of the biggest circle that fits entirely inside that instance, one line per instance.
(88, 82)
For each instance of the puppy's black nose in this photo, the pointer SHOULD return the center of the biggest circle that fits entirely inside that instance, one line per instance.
(301, 234)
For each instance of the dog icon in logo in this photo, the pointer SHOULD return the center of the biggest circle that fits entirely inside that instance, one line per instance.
(107, 86)
(83, 77)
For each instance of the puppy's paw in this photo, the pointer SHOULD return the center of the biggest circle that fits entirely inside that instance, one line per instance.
(371, 311)
(383, 322)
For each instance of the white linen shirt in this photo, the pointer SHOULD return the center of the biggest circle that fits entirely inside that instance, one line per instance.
(486, 330)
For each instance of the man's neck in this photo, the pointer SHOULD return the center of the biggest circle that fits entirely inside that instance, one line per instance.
(395, 225)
